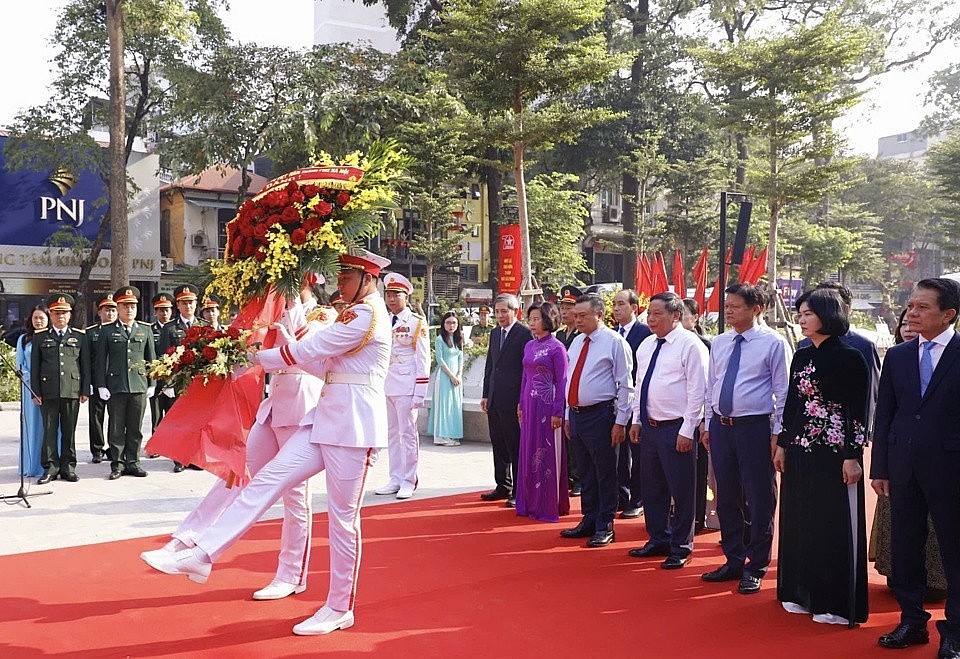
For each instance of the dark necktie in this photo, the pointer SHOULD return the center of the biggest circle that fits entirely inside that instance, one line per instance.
(393, 321)
(573, 398)
(623, 331)
(503, 337)
(647, 377)
(725, 404)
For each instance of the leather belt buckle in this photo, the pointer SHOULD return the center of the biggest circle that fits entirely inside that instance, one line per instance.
(575, 409)
(726, 421)
(653, 423)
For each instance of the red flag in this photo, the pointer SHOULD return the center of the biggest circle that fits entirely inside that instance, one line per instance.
(759, 267)
(679, 280)
(713, 304)
(746, 266)
(661, 283)
(700, 280)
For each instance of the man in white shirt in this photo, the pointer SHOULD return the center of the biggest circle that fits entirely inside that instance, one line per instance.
(598, 408)
(664, 419)
(746, 391)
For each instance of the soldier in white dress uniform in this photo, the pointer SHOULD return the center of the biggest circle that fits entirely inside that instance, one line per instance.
(407, 381)
(341, 437)
(293, 394)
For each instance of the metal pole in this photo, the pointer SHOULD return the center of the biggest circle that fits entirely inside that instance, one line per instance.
(722, 278)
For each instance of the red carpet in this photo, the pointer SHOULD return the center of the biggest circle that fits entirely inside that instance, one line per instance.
(447, 577)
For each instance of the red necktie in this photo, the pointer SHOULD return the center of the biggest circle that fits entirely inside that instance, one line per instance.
(573, 399)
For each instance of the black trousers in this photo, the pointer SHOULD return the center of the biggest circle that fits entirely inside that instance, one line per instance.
(590, 440)
(629, 478)
(97, 408)
(126, 417)
(505, 439)
(668, 475)
(59, 414)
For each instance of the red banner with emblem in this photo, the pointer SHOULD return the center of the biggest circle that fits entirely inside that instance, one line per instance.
(510, 268)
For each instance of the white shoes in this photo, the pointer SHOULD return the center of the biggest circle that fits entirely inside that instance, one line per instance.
(389, 488)
(277, 590)
(793, 607)
(830, 619)
(182, 562)
(447, 442)
(324, 621)
(405, 491)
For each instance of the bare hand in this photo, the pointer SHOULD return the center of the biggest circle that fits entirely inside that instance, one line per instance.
(780, 460)
(555, 422)
(635, 433)
(455, 380)
(483, 405)
(83, 399)
(617, 435)
(38, 400)
(852, 472)
(566, 428)
(881, 486)
(519, 414)
(705, 440)
(684, 444)
(773, 446)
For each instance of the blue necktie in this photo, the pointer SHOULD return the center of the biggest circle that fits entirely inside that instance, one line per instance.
(623, 332)
(926, 367)
(646, 379)
(730, 378)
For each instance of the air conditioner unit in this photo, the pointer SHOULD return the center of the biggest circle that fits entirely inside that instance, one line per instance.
(614, 213)
(165, 265)
(199, 239)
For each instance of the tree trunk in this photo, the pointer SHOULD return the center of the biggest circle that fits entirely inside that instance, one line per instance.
(527, 285)
(631, 229)
(117, 177)
(493, 177)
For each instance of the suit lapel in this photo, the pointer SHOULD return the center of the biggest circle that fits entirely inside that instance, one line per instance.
(947, 359)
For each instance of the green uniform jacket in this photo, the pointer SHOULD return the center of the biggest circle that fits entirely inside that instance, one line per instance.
(120, 364)
(60, 368)
(92, 337)
(170, 337)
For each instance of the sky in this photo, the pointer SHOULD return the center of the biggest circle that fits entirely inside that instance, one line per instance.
(893, 104)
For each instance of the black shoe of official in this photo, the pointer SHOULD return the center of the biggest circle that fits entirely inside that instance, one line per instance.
(96, 458)
(511, 502)
(904, 635)
(725, 572)
(575, 491)
(581, 530)
(495, 494)
(46, 478)
(177, 467)
(649, 550)
(675, 562)
(134, 471)
(114, 475)
(631, 513)
(601, 538)
(749, 585)
(949, 649)
(70, 477)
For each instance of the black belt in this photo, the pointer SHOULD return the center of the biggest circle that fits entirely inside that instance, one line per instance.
(731, 421)
(579, 409)
(653, 423)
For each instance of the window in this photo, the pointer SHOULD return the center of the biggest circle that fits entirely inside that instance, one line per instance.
(224, 215)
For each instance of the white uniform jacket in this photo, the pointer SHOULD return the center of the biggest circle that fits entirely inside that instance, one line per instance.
(409, 372)
(351, 356)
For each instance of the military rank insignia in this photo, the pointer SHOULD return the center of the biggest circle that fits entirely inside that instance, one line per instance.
(346, 316)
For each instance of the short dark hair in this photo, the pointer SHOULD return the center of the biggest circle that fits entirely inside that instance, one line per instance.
(754, 296)
(828, 306)
(595, 301)
(671, 302)
(549, 315)
(948, 292)
(632, 298)
(845, 295)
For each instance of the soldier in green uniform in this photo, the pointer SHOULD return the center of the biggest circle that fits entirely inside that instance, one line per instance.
(210, 311)
(483, 326)
(120, 376)
(59, 378)
(162, 313)
(566, 334)
(170, 337)
(97, 407)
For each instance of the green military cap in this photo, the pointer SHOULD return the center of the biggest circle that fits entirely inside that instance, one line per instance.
(186, 293)
(60, 302)
(126, 294)
(162, 301)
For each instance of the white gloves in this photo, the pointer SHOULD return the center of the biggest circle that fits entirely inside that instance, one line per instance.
(169, 392)
(151, 390)
(284, 336)
(104, 393)
(417, 402)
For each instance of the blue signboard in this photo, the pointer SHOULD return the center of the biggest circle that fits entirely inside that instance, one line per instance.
(33, 205)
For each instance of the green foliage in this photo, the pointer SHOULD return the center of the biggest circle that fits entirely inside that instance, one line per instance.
(9, 384)
(945, 167)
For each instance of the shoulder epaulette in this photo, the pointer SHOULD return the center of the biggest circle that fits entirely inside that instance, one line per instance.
(41, 331)
(95, 325)
(77, 329)
(145, 323)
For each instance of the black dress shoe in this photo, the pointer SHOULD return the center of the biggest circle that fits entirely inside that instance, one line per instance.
(601, 538)
(904, 635)
(675, 562)
(581, 530)
(153, 455)
(749, 585)
(631, 513)
(949, 649)
(194, 467)
(511, 503)
(70, 477)
(134, 471)
(177, 467)
(114, 475)
(97, 458)
(725, 572)
(46, 478)
(496, 494)
(650, 549)
(575, 491)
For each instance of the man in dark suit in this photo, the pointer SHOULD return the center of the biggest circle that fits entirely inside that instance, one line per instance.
(120, 376)
(625, 310)
(501, 395)
(162, 313)
(170, 337)
(566, 334)
(916, 460)
(59, 379)
(97, 407)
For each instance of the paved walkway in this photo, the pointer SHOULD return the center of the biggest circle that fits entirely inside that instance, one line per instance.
(97, 510)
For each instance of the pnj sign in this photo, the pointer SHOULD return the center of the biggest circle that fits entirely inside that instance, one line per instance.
(60, 210)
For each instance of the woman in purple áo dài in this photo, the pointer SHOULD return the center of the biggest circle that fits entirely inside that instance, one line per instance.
(542, 466)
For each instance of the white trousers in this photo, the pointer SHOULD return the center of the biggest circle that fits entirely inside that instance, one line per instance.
(298, 459)
(403, 440)
(263, 443)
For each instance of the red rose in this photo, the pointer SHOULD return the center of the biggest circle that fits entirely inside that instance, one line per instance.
(289, 215)
(175, 368)
(343, 198)
(171, 350)
(192, 335)
(297, 197)
(187, 357)
(310, 190)
(260, 231)
(260, 255)
(291, 187)
(233, 333)
(312, 224)
(209, 353)
(298, 237)
(323, 208)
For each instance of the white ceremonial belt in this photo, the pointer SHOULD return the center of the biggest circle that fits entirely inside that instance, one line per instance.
(291, 370)
(348, 378)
